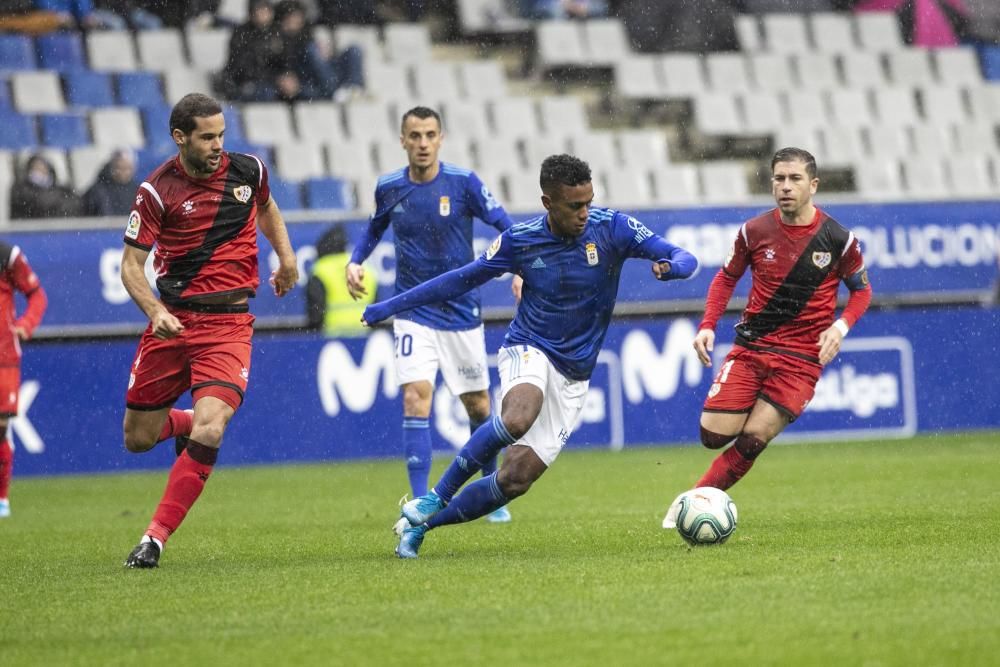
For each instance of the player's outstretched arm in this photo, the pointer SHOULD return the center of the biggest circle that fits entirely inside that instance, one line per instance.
(446, 286)
(671, 262)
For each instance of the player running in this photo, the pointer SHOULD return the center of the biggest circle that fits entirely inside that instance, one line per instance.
(201, 209)
(431, 206)
(571, 261)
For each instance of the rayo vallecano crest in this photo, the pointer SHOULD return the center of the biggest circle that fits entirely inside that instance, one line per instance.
(821, 259)
(243, 193)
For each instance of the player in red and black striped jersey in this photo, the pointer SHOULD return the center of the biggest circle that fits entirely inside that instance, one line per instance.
(200, 211)
(15, 276)
(797, 256)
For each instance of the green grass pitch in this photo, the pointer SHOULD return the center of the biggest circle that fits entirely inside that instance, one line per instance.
(858, 553)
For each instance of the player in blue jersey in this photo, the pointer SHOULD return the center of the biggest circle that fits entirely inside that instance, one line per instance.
(570, 260)
(431, 206)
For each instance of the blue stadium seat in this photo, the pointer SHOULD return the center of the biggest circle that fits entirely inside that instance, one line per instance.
(990, 58)
(234, 125)
(17, 52)
(18, 130)
(5, 95)
(244, 146)
(148, 159)
(65, 130)
(140, 89)
(156, 125)
(288, 194)
(88, 89)
(328, 193)
(61, 51)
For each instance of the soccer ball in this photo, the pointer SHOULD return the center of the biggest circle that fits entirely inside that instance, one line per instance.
(705, 515)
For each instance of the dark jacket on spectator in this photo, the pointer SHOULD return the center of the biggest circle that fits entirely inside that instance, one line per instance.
(36, 194)
(108, 195)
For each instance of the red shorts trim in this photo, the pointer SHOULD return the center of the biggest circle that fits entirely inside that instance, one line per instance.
(211, 357)
(788, 383)
(10, 386)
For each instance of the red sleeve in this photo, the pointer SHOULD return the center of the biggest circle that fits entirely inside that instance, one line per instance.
(25, 280)
(724, 282)
(264, 187)
(144, 220)
(857, 304)
(854, 274)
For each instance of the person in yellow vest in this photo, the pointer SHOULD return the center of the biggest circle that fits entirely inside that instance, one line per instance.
(329, 305)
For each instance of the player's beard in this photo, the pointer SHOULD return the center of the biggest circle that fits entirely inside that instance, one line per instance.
(201, 165)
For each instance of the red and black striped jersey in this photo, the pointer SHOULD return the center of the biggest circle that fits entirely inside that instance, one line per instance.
(204, 230)
(795, 272)
(16, 276)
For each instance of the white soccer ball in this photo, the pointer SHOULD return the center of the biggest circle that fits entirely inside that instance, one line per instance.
(705, 515)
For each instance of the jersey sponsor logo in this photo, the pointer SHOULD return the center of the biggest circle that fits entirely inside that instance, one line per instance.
(821, 259)
(537, 264)
(188, 207)
(132, 228)
(494, 247)
(641, 231)
(444, 206)
(138, 199)
(592, 258)
(491, 201)
(243, 193)
(769, 254)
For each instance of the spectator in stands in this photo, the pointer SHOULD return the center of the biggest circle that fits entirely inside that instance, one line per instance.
(305, 71)
(254, 53)
(677, 25)
(563, 9)
(329, 305)
(336, 12)
(113, 191)
(179, 13)
(37, 194)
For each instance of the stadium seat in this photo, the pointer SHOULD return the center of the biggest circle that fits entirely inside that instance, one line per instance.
(515, 117)
(501, 153)
(958, 66)
(407, 42)
(878, 31)
(458, 151)
(771, 71)
(435, 82)
(975, 138)
(676, 185)
(318, 121)
(85, 88)
(117, 126)
(353, 159)
(268, 123)
(716, 114)
(329, 193)
(841, 145)
(299, 160)
(643, 148)
(606, 41)
(728, 72)
(156, 125)
(111, 51)
(895, 106)
(208, 48)
(942, 105)
(161, 50)
(6, 180)
(628, 188)
(762, 112)
(18, 130)
(37, 92)
(910, 67)
(862, 69)
(816, 71)
(638, 78)
(233, 11)
(489, 17)
(139, 89)
(287, 194)
(68, 130)
(482, 79)
(683, 75)
(370, 120)
(878, 179)
(537, 149)
(17, 52)
(724, 181)
(805, 108)
(148, 159)
(389, 155)
(365, 37)
(390, 82)
(464, 118)
(563, 115)
(989, 57)
(930, 141)
(887, 141)
(785, 33)
(832, 32)
(792, 134)
(925, 179)
(597, 147)
(61, 51)
(748, 33)
(521, 190)
(969, 176)
(850, 106)
(86, 162)
(560, 44)
(183, 80)
(984, 102)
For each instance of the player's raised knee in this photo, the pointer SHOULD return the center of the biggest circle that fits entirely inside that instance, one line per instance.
(713, 440)
(138, 441)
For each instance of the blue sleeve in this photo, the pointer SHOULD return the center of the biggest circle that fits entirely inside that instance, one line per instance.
(638, 241)
(377, 225)
(485, 206)
(446, 286)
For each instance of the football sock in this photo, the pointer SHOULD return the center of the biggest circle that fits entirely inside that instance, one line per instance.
(417, 445)
(730, 466)
(483, 446)
(187, 478)
(489, 465)
(6, 467)
(477, 499)
(178, 422)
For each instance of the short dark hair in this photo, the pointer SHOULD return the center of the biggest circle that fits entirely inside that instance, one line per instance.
(191, 106)
(791, 154)
(563, 170)
(423, 113)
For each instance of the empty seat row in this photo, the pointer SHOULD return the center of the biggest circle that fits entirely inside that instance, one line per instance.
(949, 177)
(591, 43)
(827, 32)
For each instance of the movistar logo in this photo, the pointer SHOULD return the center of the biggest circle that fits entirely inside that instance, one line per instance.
(538, 263)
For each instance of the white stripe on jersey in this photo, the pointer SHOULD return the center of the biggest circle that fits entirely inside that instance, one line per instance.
(146, 186)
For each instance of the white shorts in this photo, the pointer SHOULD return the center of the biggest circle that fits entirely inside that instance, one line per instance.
(460, 356)
(562, 400)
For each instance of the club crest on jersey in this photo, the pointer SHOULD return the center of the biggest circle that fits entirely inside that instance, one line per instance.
(494, 248)
(592, 254)
(444, 206)
(821, 259)
(243, 193)
(132, 228)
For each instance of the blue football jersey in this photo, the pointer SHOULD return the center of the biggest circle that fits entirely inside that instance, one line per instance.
(432, 225)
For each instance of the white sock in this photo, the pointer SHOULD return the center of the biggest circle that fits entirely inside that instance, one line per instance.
(147, 538)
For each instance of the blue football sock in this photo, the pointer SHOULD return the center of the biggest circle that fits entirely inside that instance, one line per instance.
(417, 445)
(483, 445)
(489, 465)
(477, 499)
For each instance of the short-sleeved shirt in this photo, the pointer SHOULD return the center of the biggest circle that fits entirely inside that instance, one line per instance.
(16, 276)
(795, 275)
(204, 230)
(432, 227)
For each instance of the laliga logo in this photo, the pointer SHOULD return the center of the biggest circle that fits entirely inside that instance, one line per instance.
(846, 389)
